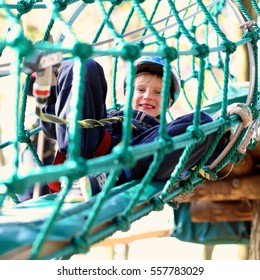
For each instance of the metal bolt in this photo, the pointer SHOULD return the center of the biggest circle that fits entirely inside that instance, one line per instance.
(235, 183)
(247, 24)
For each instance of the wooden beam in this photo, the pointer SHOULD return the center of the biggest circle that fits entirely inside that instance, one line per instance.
(236, 188)
(128, 238)
(220, 211)
(244, 167)
(254, 247)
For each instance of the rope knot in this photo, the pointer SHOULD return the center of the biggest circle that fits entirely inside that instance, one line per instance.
(182, 83)
(141, 45)
(88, 1)
(187, 186)
(197, 132)
(82, 50)
(173, 205)
(166, 144)
(27, 6)
(25, 138)
(230, 46)
(252, 144)
(124, 156)
(117, 2)
(253, 35)
(208, 66)
(23, 44)
(193, 29)
(80, 244)
(131, 52)
(177, 35)
(61, 5)
(158, 204)
(170, 53)
(123, 223)
(237, 157)
(202, 49)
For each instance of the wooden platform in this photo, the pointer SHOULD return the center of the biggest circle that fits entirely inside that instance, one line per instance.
(231, 198)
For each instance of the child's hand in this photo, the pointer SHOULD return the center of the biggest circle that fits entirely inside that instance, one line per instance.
(243, 111)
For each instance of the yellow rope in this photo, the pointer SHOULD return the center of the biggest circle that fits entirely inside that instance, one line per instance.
(86, 123)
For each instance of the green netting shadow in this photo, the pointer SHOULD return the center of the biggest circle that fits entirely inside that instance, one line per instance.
(191, 35)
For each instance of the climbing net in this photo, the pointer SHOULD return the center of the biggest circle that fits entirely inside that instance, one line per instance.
(195, 36)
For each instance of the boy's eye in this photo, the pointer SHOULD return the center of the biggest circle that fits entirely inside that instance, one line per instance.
(158, 92)
(140, 89)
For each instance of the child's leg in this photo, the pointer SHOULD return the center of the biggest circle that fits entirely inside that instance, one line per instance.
(93, 106)
(93, 141)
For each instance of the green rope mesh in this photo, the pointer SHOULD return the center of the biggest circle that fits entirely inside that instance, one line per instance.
(195, 36)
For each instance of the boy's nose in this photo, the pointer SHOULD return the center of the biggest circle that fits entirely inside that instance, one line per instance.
(148, 94)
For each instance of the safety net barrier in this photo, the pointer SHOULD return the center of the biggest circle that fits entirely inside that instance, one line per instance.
(206, 42)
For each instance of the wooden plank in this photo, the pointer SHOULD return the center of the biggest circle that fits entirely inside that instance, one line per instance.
(254, 247)
(237, 188)
(244, 167)
(127, 238)
(220, 211)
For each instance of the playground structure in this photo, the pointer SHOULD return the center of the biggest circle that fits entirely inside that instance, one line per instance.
(196, 38)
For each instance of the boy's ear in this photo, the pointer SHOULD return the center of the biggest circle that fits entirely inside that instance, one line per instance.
(170, 103)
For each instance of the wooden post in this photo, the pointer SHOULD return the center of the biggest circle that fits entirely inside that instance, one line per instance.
(207, 252)
(254, 247)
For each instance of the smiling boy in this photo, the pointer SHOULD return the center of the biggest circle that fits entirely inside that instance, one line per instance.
(146, 105)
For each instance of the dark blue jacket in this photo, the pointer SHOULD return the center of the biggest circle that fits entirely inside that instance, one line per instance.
(94, 107)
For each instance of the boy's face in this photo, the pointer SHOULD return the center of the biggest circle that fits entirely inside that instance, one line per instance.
(147, 94)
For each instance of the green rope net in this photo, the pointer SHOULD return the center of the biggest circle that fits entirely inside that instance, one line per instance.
(205, 40)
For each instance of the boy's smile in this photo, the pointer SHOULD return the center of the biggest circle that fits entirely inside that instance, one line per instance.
(147, 94)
